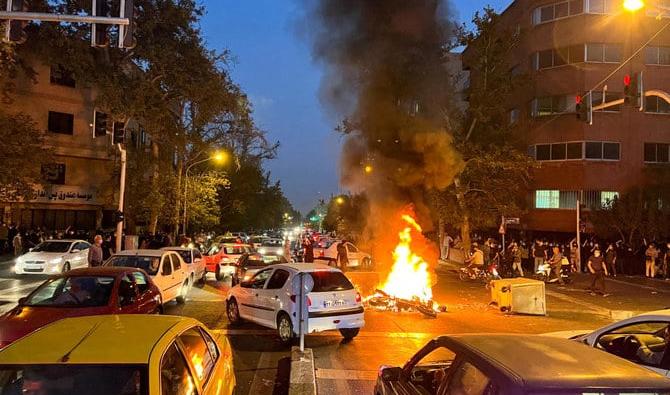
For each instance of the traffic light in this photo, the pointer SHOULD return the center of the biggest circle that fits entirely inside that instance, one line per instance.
(633, 90)
(119, 133)
(16, 32)
(118, 216)
(100, 32)
(99, 124)
(583, 108)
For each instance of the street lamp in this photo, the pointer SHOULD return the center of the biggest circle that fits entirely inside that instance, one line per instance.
(633, 5)
(219, 157)
(339, 200)
(368, 169)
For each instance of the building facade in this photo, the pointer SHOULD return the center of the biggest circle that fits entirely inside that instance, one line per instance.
(80, 188)
(569, 48)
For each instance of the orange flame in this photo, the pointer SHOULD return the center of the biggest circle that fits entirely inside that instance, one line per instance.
(410, 276)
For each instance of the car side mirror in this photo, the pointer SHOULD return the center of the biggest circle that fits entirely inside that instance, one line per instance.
(22, 301)
(391, 373)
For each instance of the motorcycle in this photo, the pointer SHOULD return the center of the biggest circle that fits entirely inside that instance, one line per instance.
(545, 272)
(468, 273)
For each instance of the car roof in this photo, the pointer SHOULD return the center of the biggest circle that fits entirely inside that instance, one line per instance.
(100, 271)
(65, 240)
(542, 362)
(308, 267)
(102, 339)
(146, 252)
(176, 249)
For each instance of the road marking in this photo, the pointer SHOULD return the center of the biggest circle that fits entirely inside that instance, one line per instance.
(346, 375)
(261, 332)
(264, 377)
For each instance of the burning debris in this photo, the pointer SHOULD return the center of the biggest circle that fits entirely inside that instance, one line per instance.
(384, 302)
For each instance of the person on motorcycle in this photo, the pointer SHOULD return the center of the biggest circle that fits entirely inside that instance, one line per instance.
(476, 260)
(555, 263)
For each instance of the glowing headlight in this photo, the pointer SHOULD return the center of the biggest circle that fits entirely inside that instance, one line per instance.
(55, 261)
(262, 251)
(247, 277)
(280, 251)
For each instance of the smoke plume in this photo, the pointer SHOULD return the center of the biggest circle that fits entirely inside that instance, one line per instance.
(385, 75)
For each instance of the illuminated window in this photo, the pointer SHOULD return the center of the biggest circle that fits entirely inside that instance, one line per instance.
(547, 199)
(606, 198)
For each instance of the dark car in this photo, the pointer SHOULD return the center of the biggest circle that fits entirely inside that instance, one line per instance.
(516, 364)
(81, 292)
(251, 263)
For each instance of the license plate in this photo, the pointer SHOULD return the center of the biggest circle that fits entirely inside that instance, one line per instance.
(333, 303)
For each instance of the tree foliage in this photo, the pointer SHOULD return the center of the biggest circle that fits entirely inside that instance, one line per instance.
(346, 215)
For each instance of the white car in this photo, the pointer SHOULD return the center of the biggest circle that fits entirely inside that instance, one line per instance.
(53, 257)
(166, 268)
(333, 250)
(268, 300)
(195, 265)
(624, 339)
(271, 247)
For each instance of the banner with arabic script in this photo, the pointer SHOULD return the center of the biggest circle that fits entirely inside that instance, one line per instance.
(65, 194)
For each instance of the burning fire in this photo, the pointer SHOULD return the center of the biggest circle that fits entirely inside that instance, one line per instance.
(410, 277)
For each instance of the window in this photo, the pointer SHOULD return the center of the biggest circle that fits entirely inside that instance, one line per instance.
(558, 10)
(278, 279)
(657, 56)
(558, 57)
(514, 115)
(176, 262)
(656, 153)
(603, 53)
(59, 75)
(606, 198)
(593, 150)
(167, 265)
(656, 105)
(468, 380)
(597, 99)
(611, 151)
(258, 281)
(574, 151)
(547, 199)
(433, 380)
(53, 173)
(654, 334)
(198, 353)
(141, 282)
(558, 151)
(543, 152)
(175, 376)
(549, 105)
(60, 122)
(603, 6)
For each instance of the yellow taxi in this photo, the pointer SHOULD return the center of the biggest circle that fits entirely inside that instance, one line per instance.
(118, 355)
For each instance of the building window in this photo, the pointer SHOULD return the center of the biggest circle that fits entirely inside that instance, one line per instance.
(547, 199)
(578, 150)
(656, 153)
(604, 6)
(53, 173)
(543, 152)
(656, 105)
(559, 10)
(611, 151)
(606, 198)
(60, 122)
(558, 151)
(597, 99)
(657, 56)
(558, 57)
(550, 105)
(603, 53)
(514, 116)
(59, 75)
(574, 151)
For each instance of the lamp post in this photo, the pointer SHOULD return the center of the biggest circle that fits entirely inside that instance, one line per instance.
(219, 157)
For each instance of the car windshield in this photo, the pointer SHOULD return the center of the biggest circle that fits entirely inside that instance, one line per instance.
(237, 250)
(185, 255)
(327, 281)
(52, 246)
(74, 379)
(264, 260)
(149, 264)
(77, 291)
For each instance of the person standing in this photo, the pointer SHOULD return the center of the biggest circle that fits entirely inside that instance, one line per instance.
(610, 259)
(309, 250)
(598, 269)
(516, 259)
(556, 262)
(17, 243)
(539, 254)
(650, 261)
(95, 252)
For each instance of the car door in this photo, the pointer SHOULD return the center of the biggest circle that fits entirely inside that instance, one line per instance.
(83, 253)
(127, 296)
(203, 356)
(176, 377)
(413, 378)
(179, 274)
(251, 306)
(164, 279)
(353, 255)
(466, 378)
(198, 264)
(74, 256)
(146, 302)
(271, 296)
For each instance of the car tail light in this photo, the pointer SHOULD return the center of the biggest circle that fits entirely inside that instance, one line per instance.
(358, 297)
(322, 253)
(294, 299)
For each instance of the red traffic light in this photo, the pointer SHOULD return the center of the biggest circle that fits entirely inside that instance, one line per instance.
(626, 80)
(578, 99)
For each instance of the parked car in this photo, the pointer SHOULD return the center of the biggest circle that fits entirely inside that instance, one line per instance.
(195, 265)
(166, 268)
(221, 259)
(268, 300)
(515, 364)
(80, 292)
(53, 257)
(626, 338)
(119, 355)
(250, 264)
(333, 251)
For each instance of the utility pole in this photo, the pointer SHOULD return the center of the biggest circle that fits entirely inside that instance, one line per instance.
(579, 241)
(122, 193)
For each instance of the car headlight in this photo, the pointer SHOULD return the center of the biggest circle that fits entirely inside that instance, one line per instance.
(55, 261)
(280, 251)
(262, 251)
(247, 277)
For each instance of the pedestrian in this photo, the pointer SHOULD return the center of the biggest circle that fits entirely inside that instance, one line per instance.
(539, 254)
(556, 262)
(610, 259)
(95, 254)
(666, 262)
(598, 269)
(309, 249)
(650, 261)
(574, 257)
(17, 243)
(516, 260)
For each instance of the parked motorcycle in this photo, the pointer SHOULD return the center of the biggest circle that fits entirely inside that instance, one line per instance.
(468, 273)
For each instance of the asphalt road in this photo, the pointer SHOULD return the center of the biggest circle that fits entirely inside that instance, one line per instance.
(262, 364)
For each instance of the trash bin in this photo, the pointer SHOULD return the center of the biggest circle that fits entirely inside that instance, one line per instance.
(519, 295)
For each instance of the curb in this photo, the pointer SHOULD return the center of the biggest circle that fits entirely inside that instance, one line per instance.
(303, 378)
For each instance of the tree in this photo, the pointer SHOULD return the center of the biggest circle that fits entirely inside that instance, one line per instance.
(203, 189)
(497, 169)
(346, 215)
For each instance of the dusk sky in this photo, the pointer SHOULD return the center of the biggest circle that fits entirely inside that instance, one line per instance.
(275, 68)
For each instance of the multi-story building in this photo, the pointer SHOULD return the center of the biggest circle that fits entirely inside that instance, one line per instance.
(80, 188)
(567, 49)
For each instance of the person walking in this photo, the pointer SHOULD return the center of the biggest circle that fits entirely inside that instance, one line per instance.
(650, 261)
(95, 252)
(610, 259)
(539, 254)
(516, 260)
(17, 243)
(309, 250)
(598, 269)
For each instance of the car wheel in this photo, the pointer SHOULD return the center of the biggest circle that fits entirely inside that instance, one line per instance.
(233, 312)
(181, 298)
(218, 273)
(285, 329)
(349, 333)
(66, 267)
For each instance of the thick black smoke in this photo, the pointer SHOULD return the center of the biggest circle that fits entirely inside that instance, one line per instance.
(385, 75)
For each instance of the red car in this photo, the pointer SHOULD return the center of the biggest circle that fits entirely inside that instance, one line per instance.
(222, 258)
(80, 292)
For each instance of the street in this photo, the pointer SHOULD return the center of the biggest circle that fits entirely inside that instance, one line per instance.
(262, 365)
